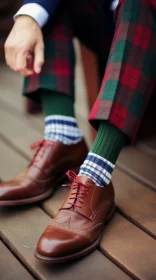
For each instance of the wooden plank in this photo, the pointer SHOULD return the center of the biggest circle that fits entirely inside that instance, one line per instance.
(11, 85)
(147, 129)
(52, 204)
(130, 248)
(139, 165)
(135, 201)
(148, 146)
(37, 120)
(11, 163)
(18, 131)
(10, 267)
(140, 160)
(21, 229)
(13, 99)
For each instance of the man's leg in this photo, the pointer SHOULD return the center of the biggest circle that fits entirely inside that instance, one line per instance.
(128, 83)
(54, 87)
(63, 146)
(129, 78)
(127, 86)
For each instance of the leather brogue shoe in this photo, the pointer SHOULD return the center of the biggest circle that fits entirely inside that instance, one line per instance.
(46, 170)
(78, 227)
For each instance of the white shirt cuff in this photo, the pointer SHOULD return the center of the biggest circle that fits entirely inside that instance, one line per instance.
(36, 11)
(114, 5)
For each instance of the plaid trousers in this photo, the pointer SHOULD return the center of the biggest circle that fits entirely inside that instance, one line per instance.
(130, 74)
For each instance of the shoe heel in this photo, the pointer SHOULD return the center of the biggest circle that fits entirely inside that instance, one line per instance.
(110, 214)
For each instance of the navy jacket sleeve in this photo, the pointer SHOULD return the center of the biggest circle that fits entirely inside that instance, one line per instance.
(49, 5)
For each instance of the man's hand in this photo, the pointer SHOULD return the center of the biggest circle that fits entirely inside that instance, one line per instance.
(24, 47)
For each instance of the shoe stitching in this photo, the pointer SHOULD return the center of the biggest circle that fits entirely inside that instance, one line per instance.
(55, 224)
(98, 208)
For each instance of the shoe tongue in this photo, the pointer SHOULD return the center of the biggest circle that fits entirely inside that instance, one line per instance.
(88, 182)
(85, 180)
(85, 208)
(41, 162)
(94, 198)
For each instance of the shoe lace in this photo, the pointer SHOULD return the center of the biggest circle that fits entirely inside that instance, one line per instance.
(80, 190)
(41, 147)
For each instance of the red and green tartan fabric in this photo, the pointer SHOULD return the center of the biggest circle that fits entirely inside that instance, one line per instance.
(58, 69)
(130, 75)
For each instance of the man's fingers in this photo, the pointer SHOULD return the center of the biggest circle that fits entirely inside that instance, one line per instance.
(16, 58)
(10, 55)
(30, 62)
(25, 38)
(29, 66)
(26, 72)
(38, 57)
(21, 61)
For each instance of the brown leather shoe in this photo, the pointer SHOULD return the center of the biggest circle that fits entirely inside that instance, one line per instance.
(77, 228)
(46, 170)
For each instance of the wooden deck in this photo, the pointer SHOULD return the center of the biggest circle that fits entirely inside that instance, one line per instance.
(128, 247)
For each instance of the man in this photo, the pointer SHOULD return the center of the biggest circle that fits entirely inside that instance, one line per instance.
(128, 83)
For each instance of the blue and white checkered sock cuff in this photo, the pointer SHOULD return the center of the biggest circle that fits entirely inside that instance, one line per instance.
(98, 169)
(62, 129)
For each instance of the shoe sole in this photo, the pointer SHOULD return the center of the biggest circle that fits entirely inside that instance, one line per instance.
(81, 253)
(35, 199)
(27, 200)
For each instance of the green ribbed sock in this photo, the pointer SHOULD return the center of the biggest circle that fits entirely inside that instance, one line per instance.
(60, 122)
(109, 141)
(55, 103)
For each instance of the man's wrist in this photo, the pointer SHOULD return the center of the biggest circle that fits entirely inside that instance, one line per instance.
(35, 11)
(27, 21)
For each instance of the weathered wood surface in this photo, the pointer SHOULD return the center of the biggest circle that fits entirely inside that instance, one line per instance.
(135, 201)
(21, 229)
(139, 165)
(10, 268)
(130, 248)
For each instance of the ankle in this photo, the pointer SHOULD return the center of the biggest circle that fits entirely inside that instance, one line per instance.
(62, 129)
